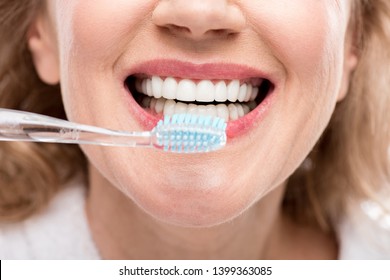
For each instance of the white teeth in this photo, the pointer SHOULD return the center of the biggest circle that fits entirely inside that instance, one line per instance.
(192, 109)
(222, 111)
(233, 90)
(160, 105)
(211, 110)
(255, 92)
(144, 87)
(163, 96)
(149, 91)
(180, 108)
(240, 110)
(153, 103)
(186, 91)
(248, 93)
(169, 107)
(204, 91)
(229, 112)
(169, 88)
(242, 93)
(157, 83)
(233, 112)
(202, 110)
(220, 92)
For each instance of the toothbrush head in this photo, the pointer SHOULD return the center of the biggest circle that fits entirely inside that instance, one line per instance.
(187, 133)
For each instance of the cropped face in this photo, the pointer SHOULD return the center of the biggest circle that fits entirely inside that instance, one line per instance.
(274, 70)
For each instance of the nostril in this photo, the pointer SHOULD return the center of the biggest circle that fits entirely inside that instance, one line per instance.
(220, 32)
(185, 31)
(177, 29)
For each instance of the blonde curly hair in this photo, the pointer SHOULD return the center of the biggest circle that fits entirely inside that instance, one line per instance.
(30, 173)
(349, 161)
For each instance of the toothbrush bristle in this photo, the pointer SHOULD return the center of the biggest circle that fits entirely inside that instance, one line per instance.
(187, 133)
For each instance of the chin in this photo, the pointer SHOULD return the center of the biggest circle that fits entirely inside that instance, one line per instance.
(192, 213)
(202, 200)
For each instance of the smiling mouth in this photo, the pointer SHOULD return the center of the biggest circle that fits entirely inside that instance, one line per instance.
(227, 99)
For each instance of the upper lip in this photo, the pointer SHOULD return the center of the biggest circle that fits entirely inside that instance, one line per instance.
(197, 71)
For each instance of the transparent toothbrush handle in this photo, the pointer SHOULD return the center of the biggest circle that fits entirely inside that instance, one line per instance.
(31, 127)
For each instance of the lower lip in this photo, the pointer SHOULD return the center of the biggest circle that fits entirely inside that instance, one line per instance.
(234, 129)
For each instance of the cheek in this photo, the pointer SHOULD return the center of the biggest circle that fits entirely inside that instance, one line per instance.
(97, 28)
(307, 37)
(304, 36)
(92, 35)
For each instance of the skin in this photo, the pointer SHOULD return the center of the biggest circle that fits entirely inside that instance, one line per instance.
(150, 204)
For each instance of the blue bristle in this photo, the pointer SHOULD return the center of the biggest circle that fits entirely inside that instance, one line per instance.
(173, 120)
(193, 119)
(201, 120)
(167, 120)
(190, 133)
(185, 135)
(207, 121)
(188, 118)
(181, 119)
(178, 136)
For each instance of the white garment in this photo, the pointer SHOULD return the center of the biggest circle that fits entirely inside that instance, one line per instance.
(62, 232)
(365, 233)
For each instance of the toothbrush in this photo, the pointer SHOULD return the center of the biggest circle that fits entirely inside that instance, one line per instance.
(183, 133)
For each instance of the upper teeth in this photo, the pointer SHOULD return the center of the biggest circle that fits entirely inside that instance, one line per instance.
(202, 91)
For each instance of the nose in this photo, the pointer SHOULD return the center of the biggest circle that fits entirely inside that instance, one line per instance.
(199, 19)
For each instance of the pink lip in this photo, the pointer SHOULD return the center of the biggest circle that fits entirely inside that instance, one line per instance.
(209, 71)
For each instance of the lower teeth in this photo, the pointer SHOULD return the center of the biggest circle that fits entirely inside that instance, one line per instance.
(229, 112)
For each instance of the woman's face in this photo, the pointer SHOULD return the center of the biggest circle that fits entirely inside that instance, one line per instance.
(273, 69)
